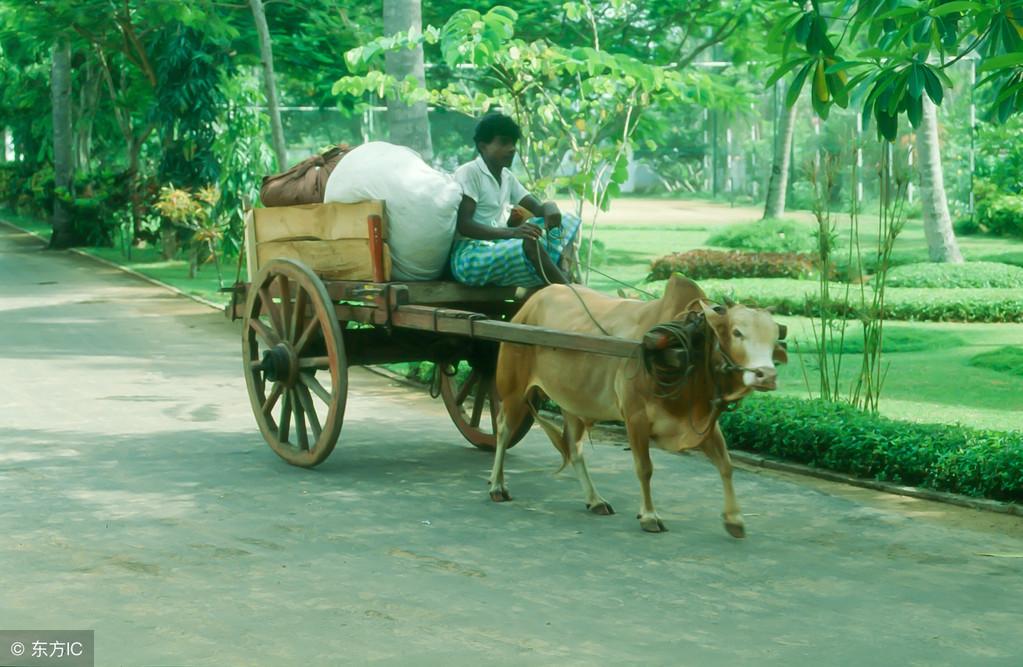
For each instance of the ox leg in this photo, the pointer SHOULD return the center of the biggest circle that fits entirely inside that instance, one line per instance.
(716, 450)
(575, 428)
(508, 421)
(639, 441)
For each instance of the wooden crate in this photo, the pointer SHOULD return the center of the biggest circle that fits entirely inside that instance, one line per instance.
(334, 240)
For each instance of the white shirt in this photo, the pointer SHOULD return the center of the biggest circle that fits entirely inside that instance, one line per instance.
(493, 200)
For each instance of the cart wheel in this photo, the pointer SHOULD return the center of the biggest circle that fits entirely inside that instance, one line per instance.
(291, 333)
(473, 406)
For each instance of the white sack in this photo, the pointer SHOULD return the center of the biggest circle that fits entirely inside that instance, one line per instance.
(421, 204)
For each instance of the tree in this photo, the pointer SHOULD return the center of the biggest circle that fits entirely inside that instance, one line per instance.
(63, 166)
(909, 46)
(941, 241)
(270, 81)
(777, 187)
(408, 123)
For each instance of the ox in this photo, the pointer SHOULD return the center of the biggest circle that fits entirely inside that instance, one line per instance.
(698, 359)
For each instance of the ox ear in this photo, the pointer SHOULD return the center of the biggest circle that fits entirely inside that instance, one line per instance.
(781, 353)
(713, 311)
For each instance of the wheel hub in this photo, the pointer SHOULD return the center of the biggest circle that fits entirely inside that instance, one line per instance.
(278, 364)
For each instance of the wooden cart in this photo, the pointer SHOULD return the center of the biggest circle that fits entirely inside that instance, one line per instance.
(320, 300)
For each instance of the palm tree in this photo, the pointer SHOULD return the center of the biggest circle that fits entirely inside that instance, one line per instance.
(408, 125)
(272, 103)
(63, 167)
(941, 241)
(774, 206)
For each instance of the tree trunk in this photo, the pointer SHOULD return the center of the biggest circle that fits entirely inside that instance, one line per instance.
(407, 125)
(63, 166)
(272, 103)
(777, 187)
(941, 241)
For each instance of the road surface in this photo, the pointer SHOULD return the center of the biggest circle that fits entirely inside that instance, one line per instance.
(138, 500)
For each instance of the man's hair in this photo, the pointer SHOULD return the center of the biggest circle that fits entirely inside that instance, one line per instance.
(496, 125)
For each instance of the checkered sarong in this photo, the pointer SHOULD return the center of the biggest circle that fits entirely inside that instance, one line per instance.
(504, 262)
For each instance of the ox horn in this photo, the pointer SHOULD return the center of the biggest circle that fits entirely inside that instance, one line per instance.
(728, 302)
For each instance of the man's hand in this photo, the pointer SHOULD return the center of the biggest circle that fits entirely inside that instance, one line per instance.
(525, 231)
(551, 215)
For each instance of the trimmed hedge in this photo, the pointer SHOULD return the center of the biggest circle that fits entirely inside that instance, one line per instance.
(779, 235)
(956, 459)
(700, 264)
(970, 274)
(800, 297)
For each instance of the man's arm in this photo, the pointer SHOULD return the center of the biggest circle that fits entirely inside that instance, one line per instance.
(471, 229)
(548, 210)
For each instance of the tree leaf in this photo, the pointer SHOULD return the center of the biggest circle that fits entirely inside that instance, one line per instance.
(933, 86)
(797, 84)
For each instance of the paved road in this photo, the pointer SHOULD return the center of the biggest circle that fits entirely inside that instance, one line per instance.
(137, 499)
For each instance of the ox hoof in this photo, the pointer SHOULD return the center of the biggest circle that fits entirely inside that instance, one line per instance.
(500, 495)
(736, 530)
(652, 524)
(603, 508)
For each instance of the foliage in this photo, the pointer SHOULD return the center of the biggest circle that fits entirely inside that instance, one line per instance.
(700, 264)
(1008, 359)
(970, 274)
(902, 56)
(1000, 214)
(780, 235)
(191, 214)
(838, 437)
(895, 341)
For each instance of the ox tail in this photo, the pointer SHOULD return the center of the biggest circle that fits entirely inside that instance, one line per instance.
(556, 434)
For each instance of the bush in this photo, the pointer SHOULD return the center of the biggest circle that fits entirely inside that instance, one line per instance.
(956, 459)
(801, 297)
(1007, 359)
(700, 264)
(767, 236)
(1002, 215)
(970, 274)
(966, 227)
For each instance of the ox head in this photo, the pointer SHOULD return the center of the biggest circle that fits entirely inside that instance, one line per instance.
(751, 343)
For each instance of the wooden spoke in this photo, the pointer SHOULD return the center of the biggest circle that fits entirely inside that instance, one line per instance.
(298, 314)
(318, 363)
(306, 335)
(271, 400)
(265, 333)
(309, 380)
(310, 411)
(271, 309)
(303, 436)
(285, 426)
(467, 387)
(286, 305)
(477, 406)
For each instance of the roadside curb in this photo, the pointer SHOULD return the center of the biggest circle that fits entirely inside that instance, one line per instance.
(114, 265)
(747, 458)
(754, 460)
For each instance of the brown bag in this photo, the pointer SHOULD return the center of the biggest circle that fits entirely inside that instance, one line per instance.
(305, 183)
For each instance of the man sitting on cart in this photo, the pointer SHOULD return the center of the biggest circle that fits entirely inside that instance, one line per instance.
(497, 243)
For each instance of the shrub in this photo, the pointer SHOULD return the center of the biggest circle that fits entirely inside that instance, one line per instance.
(800, 297)
(767, 236)
(1007, 359)
(700, 264)
(1002, 215)
(970, 274)
(966, 227)
(956, 459)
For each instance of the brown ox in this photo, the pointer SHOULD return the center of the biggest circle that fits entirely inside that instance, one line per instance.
(727, 351)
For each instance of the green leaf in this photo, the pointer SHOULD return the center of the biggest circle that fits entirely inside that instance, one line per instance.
(960, 6)
(916, 81)
(797, 84)
(933, 86)
(915, 110)
(783, 70)
(1006, 61)
(844, 65)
